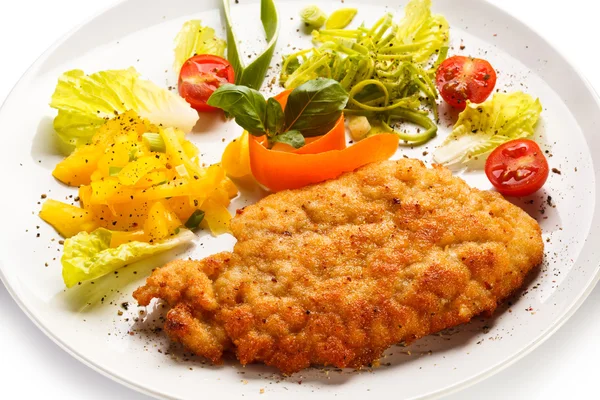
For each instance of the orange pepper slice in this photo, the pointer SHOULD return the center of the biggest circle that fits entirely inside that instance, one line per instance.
(278, 170)
(236, 157)
(322, 158)
(335, 139)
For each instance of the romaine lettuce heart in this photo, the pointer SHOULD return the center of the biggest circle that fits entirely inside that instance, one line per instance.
(85, 102)
(483, 127)
(89, 256)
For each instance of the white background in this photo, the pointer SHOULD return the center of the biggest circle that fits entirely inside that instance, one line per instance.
(33, 367)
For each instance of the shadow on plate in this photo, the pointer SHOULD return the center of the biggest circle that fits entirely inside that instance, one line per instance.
(209, 122)
(46, 148)
(447, 115)
(250, 192)
(541, 207)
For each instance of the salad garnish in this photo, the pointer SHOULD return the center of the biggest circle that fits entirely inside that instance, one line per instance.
(88, 256)
(280, 170)
(359, 127)
(312, 109)
(86, 102)
(139, 185)
(278, 164)
(483, 127)
(67, 219)
(420, 33)
(236, 157)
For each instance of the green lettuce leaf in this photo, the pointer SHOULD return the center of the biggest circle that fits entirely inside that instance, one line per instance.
(419, 28)
(483, 127)
(85, 102)
(192, 39)
(88, 256)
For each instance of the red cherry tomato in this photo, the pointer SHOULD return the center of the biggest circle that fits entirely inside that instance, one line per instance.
(200, 76)
(462, 78)
(517, 168)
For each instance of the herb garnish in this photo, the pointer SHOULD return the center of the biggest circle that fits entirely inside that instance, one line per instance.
(312, 109)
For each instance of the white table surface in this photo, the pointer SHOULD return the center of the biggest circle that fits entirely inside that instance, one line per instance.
(33, 367)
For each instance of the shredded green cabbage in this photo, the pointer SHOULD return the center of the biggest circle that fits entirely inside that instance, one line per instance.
(483, 127)
(89, 256)
(387, 69)
(193, 39)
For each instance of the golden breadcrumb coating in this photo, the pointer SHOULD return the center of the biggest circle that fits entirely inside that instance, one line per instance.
(334, 273)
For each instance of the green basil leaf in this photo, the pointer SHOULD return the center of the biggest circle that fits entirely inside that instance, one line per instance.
(293, 138)
(246, 105)
(314, 107)
(253, 75)
(275, 118)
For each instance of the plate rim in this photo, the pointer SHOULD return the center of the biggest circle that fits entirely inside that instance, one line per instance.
(569, 311)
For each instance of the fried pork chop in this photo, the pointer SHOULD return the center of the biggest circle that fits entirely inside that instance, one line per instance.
(334, 273)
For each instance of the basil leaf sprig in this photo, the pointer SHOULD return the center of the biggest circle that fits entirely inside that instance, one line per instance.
(312, 109)
(246, 105)
(275, 118)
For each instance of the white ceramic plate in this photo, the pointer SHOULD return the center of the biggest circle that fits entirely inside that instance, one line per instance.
(86, 321)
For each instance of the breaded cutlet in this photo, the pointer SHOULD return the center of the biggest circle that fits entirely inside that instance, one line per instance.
(335, 273)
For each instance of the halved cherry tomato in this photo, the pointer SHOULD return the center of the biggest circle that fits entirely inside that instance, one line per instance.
(200, 76)
(462, 78)
(517, 168)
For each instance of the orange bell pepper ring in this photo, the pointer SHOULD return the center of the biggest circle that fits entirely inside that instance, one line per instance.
(322, 158)
(236, 157)
(278, 170)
